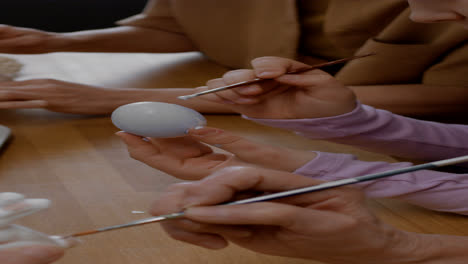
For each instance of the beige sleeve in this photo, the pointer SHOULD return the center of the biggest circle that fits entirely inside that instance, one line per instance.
(404, 64)
(231, 33)
(451, 70)
(156, 15)
(412, 53)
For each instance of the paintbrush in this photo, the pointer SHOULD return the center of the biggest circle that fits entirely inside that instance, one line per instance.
(256, 80)
(268, 197)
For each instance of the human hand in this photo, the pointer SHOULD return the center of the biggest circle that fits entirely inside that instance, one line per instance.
(30, 253)
(21, 245)
(18, 40)
(333, 225)
(189, 158)
(310, 94)
(59, 96)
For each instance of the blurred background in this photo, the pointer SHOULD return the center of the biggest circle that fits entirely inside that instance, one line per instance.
(67, 15)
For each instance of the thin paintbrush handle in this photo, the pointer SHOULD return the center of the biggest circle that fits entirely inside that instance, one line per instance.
(256, 80)
(130, 224)
(339, 183)
(319, 187)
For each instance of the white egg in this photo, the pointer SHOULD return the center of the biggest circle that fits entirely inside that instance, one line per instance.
(158, 120)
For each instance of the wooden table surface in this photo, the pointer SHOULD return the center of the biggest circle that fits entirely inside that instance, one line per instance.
(79, 164)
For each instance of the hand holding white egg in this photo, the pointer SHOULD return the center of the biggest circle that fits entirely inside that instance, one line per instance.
(157, 120)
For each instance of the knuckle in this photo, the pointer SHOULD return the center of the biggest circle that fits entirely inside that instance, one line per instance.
(265, 59)
(238, 75)
(181, 188)
(215, 83)
(235, 172)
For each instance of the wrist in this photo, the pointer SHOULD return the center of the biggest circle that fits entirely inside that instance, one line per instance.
(68, 42)
(413, 248)
(395, 246)
(407, 247)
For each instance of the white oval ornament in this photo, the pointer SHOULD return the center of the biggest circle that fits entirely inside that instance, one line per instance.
(155, 119)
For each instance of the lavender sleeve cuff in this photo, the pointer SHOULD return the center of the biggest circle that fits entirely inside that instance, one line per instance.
(382, 131)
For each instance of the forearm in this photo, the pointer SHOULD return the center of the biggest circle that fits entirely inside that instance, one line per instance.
(414, 99)
(121, 39)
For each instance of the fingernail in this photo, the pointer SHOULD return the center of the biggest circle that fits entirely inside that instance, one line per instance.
(213, 244)
(240, 233)
(265, 74)
(190, 203)
(204, 131)
(195, 128)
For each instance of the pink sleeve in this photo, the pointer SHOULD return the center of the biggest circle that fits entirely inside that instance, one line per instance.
(384, 132)
(434, 190)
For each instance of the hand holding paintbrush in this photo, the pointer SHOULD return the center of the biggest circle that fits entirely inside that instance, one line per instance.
(256, 80)
(279, 195)
(281, 88)
(331, 226)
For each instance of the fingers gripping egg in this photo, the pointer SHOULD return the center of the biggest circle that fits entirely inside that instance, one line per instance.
(154, 119)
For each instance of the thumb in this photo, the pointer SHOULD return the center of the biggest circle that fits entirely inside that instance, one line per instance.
(30, 254)
(244, 149)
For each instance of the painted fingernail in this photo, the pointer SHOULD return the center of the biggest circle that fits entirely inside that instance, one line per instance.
(240, 233)
(205, 131)
(213, 244)
(265, 74)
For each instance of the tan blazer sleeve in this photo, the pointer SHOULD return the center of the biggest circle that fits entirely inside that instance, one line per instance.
(451, 70)
(231, 33)
(156, 15)
(412, 53)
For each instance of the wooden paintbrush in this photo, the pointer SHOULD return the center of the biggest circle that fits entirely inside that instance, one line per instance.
(319, 187)
(317, 66)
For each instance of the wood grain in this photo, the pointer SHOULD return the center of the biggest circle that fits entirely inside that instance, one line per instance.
(80, 165)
